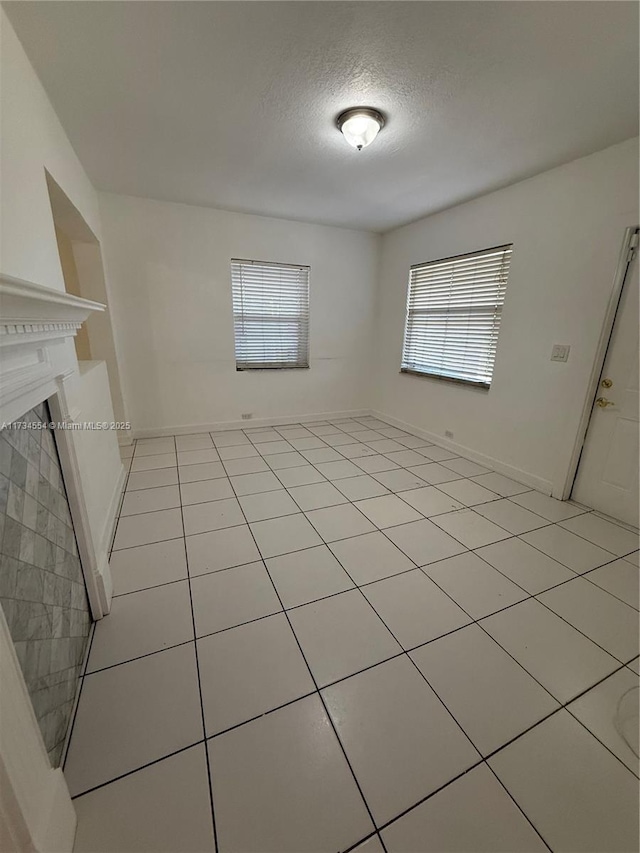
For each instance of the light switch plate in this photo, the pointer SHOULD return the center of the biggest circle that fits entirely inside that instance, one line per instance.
(560, 352)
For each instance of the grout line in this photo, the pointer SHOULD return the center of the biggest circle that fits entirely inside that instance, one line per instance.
(511, 536)
(486, 758)
(151, 511)
(363, 840)
(406, 653)
(586, 574)
(415, 805)
(579, 630)
(599, 739)
(317, 689)
(564, 706)
(135, 770)
(361, 586)
(262, 713)
(142, 544)
(195, 649)
(382, 530)
(148, 488)
(518, 806)
(72, 719)
(159, 468)
(403, 651)
(513, 605)
(147, 588)
(487, 616)
(137, 658)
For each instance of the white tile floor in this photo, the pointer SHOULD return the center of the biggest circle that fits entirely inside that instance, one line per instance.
(336, 636)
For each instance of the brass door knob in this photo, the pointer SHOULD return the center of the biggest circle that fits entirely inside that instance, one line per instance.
(603, 403)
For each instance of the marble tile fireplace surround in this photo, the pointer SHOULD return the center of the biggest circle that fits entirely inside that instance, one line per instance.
(42, 589)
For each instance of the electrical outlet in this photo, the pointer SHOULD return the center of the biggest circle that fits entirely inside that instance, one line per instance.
(560, 352)
(448, 433)
(247, 416)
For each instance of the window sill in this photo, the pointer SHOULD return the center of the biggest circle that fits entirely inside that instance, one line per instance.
(481, 386)
(283, 367)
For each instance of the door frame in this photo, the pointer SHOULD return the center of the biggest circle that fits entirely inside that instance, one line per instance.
(627, 252)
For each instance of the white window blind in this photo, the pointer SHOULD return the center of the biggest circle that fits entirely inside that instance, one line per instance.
(453, 316)
(270, 314)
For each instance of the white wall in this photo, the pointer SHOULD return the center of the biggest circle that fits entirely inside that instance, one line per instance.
(168, 268)
(567, 227)
(88, 262)
(32, 141)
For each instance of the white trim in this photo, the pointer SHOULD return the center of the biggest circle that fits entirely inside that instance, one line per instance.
(25, 386)
(17, 333)
(218, 426)
(92, 568)
(517, 474)
(24, 302)
(511, 471)
(36, 812)
(564, 492)
(34, 321)
(109, 528)
(630, 527)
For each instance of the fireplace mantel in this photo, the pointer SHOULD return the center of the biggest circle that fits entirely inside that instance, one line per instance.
(24, 304)
(33, 321)
(37, 363)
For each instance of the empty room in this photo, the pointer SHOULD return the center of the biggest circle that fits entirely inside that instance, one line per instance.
(319, 417)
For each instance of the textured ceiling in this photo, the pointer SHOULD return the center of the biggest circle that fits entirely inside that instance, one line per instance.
(232, 104)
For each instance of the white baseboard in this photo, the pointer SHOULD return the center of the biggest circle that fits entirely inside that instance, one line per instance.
(59, 819)
(112, 513)
(218, 426)
(103, 570)
(524, 477)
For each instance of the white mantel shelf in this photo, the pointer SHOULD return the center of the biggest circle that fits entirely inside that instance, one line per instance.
(33, 321)
(32, 313)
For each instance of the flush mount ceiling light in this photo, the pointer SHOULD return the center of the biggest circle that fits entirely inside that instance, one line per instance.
(360, 126)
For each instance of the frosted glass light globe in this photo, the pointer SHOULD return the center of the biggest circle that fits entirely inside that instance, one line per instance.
(360, 126)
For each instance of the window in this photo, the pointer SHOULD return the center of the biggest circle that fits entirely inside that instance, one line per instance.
(270, 314)
(453, 316)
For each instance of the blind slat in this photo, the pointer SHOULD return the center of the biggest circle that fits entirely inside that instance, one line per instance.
(454, 307)
(270, 314)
